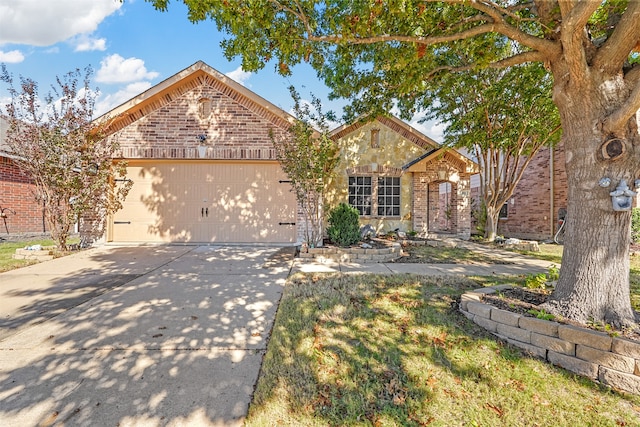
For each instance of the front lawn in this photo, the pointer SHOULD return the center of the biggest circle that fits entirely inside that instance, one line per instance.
(7, 249)
(394, 351)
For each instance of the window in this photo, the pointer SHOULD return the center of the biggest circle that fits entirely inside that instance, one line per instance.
(380, 197)
(504, 211)
(388, 196)
(360, 194)
(204, 108)
(375, 138)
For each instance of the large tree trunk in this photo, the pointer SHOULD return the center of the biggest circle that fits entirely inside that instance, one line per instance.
(594, 278)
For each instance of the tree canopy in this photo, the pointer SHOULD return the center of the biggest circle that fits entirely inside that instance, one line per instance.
(501, 116)
(380, 52)
(64, 152)
(308, 157)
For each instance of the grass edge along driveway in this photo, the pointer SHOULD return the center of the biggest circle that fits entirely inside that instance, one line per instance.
(394, 351)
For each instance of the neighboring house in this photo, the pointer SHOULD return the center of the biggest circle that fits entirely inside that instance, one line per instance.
(539, 200)
(19, 211)
(392, 174)
(204, 169)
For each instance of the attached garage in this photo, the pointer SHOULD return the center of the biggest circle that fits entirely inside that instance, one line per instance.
(226, 202)
(202, 163)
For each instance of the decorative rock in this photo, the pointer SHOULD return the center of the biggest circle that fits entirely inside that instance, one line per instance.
(522, 245)
(366, 246)
(367, 230)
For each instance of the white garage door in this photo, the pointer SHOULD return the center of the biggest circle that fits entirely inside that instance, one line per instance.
(206, 202)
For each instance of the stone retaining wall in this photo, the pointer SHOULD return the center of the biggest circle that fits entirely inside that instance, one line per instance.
(611, 360)
(45, 254)
(372, 255)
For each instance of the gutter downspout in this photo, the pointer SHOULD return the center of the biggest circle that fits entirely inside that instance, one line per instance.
(551, 191)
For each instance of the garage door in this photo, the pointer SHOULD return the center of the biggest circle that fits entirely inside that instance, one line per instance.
(206, 202)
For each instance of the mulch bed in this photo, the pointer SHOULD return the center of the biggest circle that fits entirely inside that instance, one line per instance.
(521, 300)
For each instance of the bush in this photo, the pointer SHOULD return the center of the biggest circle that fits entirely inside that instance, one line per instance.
(635, 225)
(344, 227)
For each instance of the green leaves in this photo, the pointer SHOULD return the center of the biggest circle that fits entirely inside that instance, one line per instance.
(65, 153)
(308, 157)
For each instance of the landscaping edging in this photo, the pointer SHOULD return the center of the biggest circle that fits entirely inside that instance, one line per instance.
(365, 255)
(44, 254)
(610, 360)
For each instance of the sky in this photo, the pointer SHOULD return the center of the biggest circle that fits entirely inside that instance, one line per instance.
(132, 47)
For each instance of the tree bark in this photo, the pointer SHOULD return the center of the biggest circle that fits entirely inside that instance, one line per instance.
(491, 227)
(594, 278)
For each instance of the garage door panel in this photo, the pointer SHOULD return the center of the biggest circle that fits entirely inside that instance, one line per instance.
(207, 202)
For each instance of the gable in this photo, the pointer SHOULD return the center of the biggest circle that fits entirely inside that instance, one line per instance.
(396, 145)
(169, 120)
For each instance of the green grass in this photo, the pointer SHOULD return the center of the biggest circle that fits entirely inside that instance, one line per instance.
(370, 350)
(548, 252)
(432, 255)
(7, 249)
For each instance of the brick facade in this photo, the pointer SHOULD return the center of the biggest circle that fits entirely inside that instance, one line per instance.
(236, 127)
(530, 208)
(530, 213)
(17, 194)
(431, 214)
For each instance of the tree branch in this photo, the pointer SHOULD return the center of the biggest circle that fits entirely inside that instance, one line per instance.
(626, 35)
(491, 9)
(629, 108)
(573, 34)
(521, 58)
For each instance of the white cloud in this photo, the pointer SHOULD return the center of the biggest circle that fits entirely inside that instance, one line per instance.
(43, 23)
(111, 101)
(116, 69)
(239, 75)
(11, 57)
(85, 43)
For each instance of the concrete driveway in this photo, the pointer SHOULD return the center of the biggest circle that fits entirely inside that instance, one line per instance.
(137, 336)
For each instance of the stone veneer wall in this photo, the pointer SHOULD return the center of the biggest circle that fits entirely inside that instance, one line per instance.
(611, 360)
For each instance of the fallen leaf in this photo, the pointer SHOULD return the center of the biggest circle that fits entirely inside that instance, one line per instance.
(157, 335)
(495, 409)
(50, 419)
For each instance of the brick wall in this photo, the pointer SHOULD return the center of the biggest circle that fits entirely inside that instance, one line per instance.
(529, 211)
(236, 127)
(428, 211)
(17, 195)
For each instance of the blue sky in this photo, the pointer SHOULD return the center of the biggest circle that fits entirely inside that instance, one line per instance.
(131, 48)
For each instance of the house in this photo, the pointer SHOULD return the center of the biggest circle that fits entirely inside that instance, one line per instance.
(20, 212)
(204, 169)
(202, 164)
(392, 174)
(539, 200)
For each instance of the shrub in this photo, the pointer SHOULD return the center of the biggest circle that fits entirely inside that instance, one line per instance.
(635, 225)
(536, 281)
(344, 227)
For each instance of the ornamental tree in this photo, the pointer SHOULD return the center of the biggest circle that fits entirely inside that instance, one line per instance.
(308, 157)
(56, 143)
(503, 117)
(383, 53)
